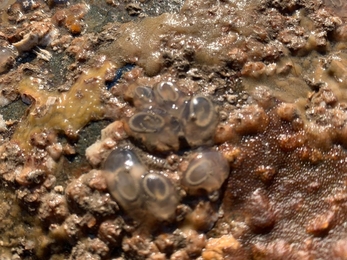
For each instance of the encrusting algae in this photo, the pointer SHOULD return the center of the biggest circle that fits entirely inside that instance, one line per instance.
(65, 112)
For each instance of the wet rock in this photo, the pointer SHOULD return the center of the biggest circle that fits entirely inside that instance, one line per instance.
(133, 9)
(81, 48)
(7, 60)
(180, 255)
(341, 33)
(170, 243)
(29, 175)
(88, 193)
(253, 69)
(111, 231)
(31, 197)
(262, 217)
(203, 217)
(321, 224)
(72, 228)
(93, 249)
(139, 247)
(3, 126)
(266, 173)
(53, 208)
(98, 152)
(294, 39)
(278, 249)
(195, 243)
(224, 247)
(287, 112)
(72, 18)
(54, 3)
(339, 249)
(250, 120)
(228, 89)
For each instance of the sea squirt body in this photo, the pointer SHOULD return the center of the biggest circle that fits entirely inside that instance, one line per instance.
(199, 121)
(123, 172)
(143, 97)
(207, 171)
(167, 120)
(161, 196)
(138, 192)
(146, 122)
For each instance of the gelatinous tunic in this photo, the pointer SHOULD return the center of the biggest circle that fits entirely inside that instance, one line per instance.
(136, 190)
(165, 117)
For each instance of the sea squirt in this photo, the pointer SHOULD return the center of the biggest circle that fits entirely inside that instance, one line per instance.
(123, 172)
(155, 129)
(143, 97)
(136, 190)
(206, 172)
(147, 122)
(199, 116)
(160, 194)
(167, 120)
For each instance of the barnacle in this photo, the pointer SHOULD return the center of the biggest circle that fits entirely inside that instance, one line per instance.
(137, 191)
(155, 186)
(199, 116)
(170, 98)
(206, 171)
(120, 158)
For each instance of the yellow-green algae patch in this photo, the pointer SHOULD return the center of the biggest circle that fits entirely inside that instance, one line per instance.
(65, 112)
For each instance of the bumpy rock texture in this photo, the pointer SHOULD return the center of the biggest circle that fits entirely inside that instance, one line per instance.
(173, 129)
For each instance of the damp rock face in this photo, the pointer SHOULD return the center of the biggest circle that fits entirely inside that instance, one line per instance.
(230, 143)
(7, 59)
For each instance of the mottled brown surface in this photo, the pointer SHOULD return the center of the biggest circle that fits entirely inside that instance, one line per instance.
(274, 77)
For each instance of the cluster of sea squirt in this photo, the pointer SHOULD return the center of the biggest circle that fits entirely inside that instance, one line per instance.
(167, 120)
(139, 191)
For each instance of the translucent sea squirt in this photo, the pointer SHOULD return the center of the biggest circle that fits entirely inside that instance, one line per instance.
(199, 116)
(123, 172)
(207, 171)
(138, 192)
(161, 196)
